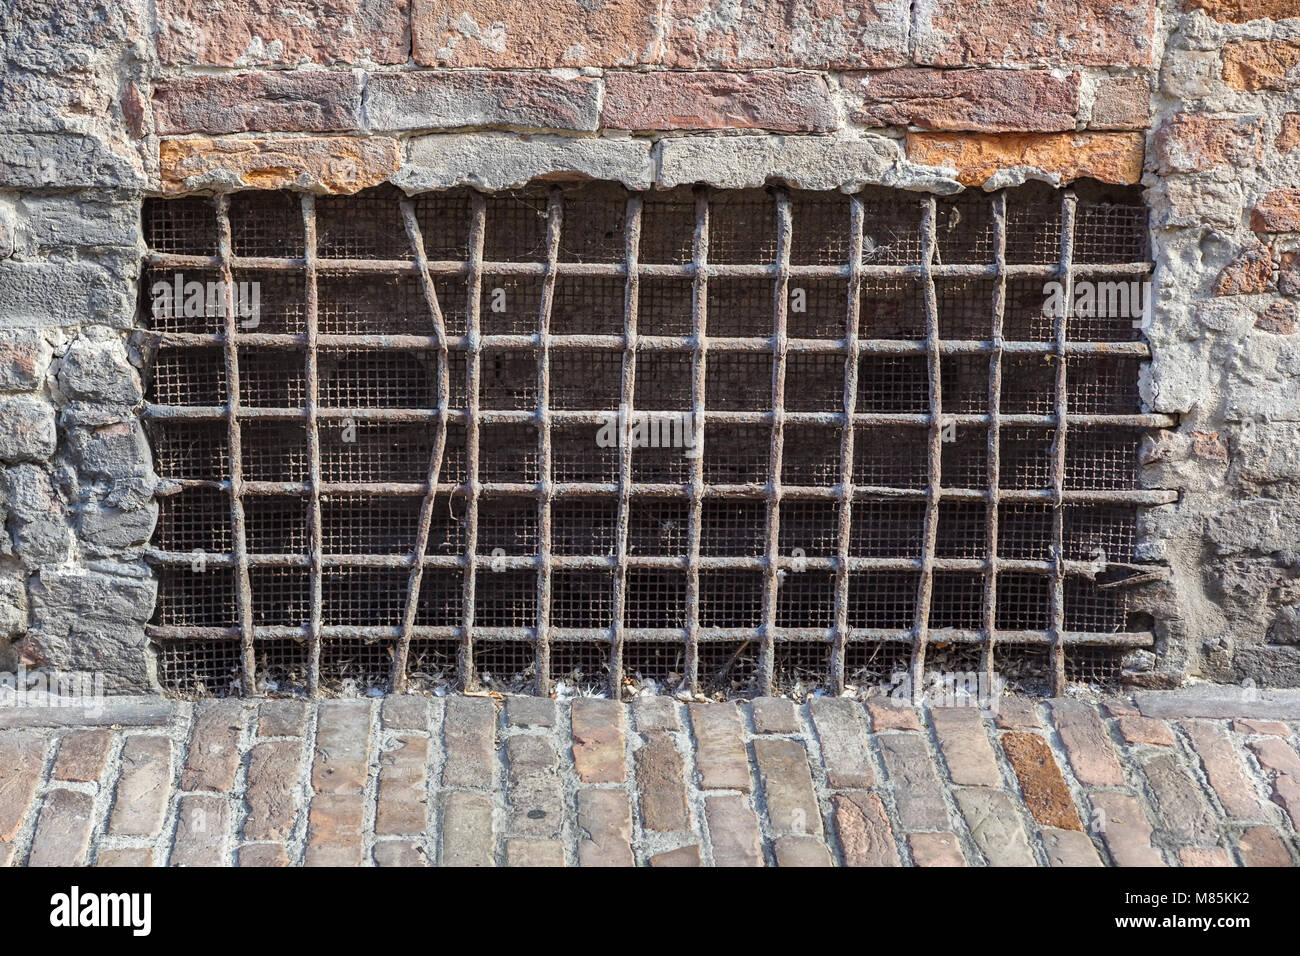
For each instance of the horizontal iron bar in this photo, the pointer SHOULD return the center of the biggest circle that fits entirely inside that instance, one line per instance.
(672, 635)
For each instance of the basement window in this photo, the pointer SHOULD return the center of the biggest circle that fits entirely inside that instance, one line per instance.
(574, 438)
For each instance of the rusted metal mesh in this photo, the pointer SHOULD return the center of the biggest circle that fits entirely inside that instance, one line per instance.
(394, 472)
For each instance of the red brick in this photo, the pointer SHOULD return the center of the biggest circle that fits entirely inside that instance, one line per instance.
(774, 715)
(202, 824)
(935, 849)
(996, 32)
(341, 760)
(1203, 856)
(801, 851)
(291, 102)
(1087, 744)
(330, 164)
(682, 856)
(995, 826)
(536, 797)
(979, 100)
(1288, 279)
(1254, 65)
(1288, 137)
(22, 759)
(1261, 846)
(143, 788)
(401, 804)
(335, 830)
(282, 718)
(1192, 142)
(751, 34)
(1279, 211)
(1276, 756)
(213, 756)
(1111, 157)
(1045, 792)
(1016, 713)
(1145, 730)
(1243, 11)
(918, 795)
(273, 779)
(733, 830)
(130, 856)
(82, 756)
(1224, 769)
(469, 736)
(438, 100)
(1121, 102)
(1268, 728)
(406, 712)
(534, 853)
(889, 716)
(599, 747)
(965, 746)
(1069, 848)
(656, 713)
(840, 734)
(866, 838)
(1278, 319)
(467, 834)
(787, 787)
(549, 33)
(1125, 830)
(661, 783)
(404, 853)
(786, 102)
(62, 829)
(720, 757)
(263, 855)
(605, 828)
(286, 32)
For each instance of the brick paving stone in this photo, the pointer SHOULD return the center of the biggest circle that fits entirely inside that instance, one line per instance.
(143, 788)
(916, 789)
(965, 747)
(995, 826)
(125, 857)
(82, 756)
(1041, 782)
(1276, 756)
(1120, 707)
(656, 713)
(401, 806)
(886, 715)
(1224, 768)
(733, 830)
(62, 829)
(1069, 848)
(406, 712)
(865, 836)
(213, 756)
(720, 757)
(468, 837)
(530, 711)
(282, 718)
(844, 745)
(599, 747)
(469, 736)
(1125, 830)
(335, 836)
(272, 791)
(399, 853)
(263, 855)
(1016, 713)
(682, 856)
(202, 825)
(1203, 856)
(7, 853)
(604, 828)
(534, 853)
(1086, 744)
(1269, 728)
(936, 849)
(787, 787)
(661, 783)
(1145, 730)
(534, 791)
(1261, 846)
(341, 761)
(795, 850)
(22, 758)
(774, 715)
(1286, 794)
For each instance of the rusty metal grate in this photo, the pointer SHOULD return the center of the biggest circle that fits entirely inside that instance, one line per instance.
(395, 473)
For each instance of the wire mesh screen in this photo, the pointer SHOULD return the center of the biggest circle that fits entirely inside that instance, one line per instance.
(731, 442)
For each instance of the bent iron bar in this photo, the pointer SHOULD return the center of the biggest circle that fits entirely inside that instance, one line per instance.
(770, 633)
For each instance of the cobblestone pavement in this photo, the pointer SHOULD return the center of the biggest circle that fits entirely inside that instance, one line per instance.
(1171, 778)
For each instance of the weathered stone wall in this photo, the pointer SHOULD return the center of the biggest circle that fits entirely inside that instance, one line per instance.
(107, 101)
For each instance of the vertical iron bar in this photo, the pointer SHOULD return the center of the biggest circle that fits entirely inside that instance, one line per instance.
(315, 542)
(1069, 203)
(772, 570)
(857, 216)
(554, 220)
(631, 302)
(994, 440)
(699, 362)
(421, 264)
(243, 588)
(925, 587)
(473, 306)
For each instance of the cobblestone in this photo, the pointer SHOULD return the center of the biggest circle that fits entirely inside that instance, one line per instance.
(414, 782)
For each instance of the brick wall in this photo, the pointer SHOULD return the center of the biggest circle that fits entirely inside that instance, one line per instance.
(107, 101)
